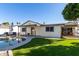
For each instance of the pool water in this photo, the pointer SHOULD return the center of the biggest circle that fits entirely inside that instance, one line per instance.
(4, 44)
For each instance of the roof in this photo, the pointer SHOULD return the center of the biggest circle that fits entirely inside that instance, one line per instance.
(71, 23)
(30, 21)
(51, 24)
(35, 23)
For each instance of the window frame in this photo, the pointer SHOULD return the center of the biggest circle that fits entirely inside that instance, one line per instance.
(23, 29)
(52, 29)
(49, 29)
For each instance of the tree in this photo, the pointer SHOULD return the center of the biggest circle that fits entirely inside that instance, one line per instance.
(5, 23)
(71, 12)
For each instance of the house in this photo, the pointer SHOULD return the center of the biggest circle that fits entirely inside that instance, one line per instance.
(49, 30)
(44, 30)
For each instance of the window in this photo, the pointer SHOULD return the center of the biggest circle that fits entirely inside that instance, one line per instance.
(49, 29)
(23, 29)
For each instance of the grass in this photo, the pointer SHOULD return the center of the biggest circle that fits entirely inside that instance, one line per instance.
(49, 47)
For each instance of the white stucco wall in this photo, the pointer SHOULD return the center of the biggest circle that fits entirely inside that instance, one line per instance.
(3, 30)
(76, 31)
(42, 31)
(28, 30)
(15, 29)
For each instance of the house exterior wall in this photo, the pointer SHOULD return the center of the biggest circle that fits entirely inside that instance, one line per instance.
(3, 30)
(15, 29)
(42, 31)
(28, 30)
(76, 31)
(22, 33)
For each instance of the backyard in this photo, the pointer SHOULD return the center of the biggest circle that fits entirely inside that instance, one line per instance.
(49, 47)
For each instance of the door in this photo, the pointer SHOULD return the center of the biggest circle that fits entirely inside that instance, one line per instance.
(33, 32)
(67, 31)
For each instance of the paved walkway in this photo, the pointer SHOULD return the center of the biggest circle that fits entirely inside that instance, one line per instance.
(70, 37)
(8, 51)
(3, 53)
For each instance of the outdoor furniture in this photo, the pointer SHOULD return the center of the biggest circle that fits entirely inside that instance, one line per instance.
(6, 33)
(1, 35)
(13, 33)
(23, 39)
(28, 34)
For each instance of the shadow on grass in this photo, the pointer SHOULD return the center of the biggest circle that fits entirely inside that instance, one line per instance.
(59, 50)
(76, 44)
(52, 51)
(36, 42)
(55, 51)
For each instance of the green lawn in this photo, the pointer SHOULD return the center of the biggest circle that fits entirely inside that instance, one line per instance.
(49, 47)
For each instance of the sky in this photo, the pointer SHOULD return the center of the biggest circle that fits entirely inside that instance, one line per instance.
(49, 13)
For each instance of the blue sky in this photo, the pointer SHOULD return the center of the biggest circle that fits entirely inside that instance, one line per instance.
(39, 12)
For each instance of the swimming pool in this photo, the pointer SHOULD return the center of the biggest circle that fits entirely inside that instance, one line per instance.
(5, 44)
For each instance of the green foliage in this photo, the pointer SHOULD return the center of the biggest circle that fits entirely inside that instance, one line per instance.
(5, 23)
(71, 11)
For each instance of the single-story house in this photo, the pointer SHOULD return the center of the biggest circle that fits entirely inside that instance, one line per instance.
(49, 30)
(44, 30)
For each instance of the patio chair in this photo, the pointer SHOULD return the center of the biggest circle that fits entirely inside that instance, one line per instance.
(23, 39)
(28, 34)
(6, 33)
